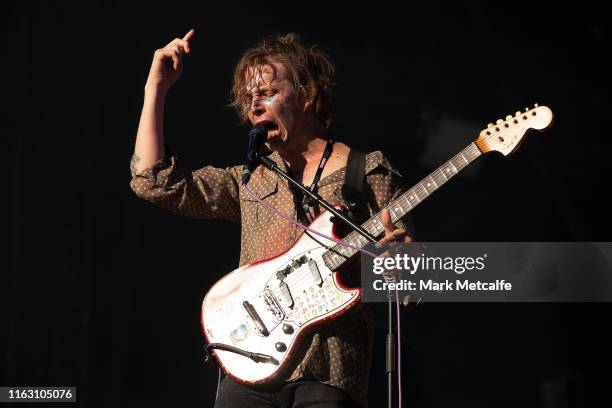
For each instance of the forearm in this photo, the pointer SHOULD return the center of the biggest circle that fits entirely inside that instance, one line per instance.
(149, 146)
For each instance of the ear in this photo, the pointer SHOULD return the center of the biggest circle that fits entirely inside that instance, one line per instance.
(306, 98)
(308, 105)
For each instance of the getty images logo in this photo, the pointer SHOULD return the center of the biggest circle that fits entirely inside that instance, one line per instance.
(412, 264)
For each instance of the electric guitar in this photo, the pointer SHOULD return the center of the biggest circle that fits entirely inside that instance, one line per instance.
(255, 318)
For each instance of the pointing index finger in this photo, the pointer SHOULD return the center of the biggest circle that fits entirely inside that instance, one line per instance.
(188, 36)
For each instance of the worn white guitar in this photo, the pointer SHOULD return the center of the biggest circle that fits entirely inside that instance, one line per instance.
(255, 318)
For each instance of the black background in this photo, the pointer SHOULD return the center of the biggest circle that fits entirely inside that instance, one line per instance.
(102, 290)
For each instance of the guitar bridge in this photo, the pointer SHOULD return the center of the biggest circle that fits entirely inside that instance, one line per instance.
(265, 312)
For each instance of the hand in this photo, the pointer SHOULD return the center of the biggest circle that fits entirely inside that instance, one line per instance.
(392, 233)
(167, 64)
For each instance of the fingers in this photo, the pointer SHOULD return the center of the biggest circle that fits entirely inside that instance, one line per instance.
(386, 221)
(385, 218)
(188, 36)
(171, 53)
(177, 60)
(397, 234)
(181, 45)
(407, 301)
(391, 232)
(175, 50)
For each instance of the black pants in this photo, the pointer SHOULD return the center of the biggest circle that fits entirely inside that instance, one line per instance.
(302, 394)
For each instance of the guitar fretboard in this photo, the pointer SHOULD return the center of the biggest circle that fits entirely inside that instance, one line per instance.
(337, 255)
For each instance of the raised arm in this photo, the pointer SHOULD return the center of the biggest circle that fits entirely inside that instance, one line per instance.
(166, 69)
(156, 174)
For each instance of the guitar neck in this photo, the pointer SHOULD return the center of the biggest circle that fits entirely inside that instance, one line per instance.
(337, 255)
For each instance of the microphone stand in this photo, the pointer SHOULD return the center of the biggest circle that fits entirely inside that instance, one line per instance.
(390, 349)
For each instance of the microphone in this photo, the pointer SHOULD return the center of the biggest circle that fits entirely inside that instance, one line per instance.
(257, 138)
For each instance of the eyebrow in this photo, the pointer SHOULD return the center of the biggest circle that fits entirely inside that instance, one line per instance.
(261, 88)
(260, 83)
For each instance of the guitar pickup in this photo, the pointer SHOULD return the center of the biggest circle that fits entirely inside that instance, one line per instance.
(296, 263)
(314, 272)
(282, 274)
(285, 297)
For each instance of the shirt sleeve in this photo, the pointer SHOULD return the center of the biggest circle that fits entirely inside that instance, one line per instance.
(209, 192)
(385, 186)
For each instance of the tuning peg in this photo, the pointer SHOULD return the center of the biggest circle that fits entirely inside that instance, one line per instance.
(499, 121)
(535, 105)
(490, 125)
(508, 117)
(526, 109)
(518, 113)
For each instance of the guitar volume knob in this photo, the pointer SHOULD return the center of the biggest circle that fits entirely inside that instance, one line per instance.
(280, 346)
(287, 328)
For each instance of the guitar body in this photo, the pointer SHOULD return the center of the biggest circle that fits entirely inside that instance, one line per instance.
(269, 306)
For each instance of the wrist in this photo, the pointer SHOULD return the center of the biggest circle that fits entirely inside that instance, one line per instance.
(155, 90)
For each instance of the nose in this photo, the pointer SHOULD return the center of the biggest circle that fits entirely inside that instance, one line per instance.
(257, 107)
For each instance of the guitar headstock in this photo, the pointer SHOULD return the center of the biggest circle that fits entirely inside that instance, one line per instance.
(505, 135)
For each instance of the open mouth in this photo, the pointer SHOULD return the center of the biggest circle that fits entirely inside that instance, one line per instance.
(271, 127)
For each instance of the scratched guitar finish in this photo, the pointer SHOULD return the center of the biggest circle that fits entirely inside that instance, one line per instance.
(256, 317)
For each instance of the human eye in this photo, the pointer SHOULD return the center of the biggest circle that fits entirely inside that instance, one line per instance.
(249, 95)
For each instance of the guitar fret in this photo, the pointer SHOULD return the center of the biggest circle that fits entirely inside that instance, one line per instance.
(427, 185)
(413, 196)
(349, 240)
(423, 192)
(444, 175)
(358, 241)
(450, 169)
(398, 210)
(439, 178)
(404, 198)
(362, 241)
(406, 206)
(459, 162)
(377, 227)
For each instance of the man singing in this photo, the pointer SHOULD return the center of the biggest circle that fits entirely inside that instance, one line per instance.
(285, 86)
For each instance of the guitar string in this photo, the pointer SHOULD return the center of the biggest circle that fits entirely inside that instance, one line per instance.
(299, 276)
(487, 138)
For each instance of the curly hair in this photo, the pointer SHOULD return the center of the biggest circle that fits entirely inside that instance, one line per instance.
(308, 69)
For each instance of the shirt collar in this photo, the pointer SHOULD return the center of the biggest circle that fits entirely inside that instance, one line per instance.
(374, 160)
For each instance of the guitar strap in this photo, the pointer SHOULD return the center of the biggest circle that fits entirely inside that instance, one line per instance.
(352, 189)
(303, 202)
